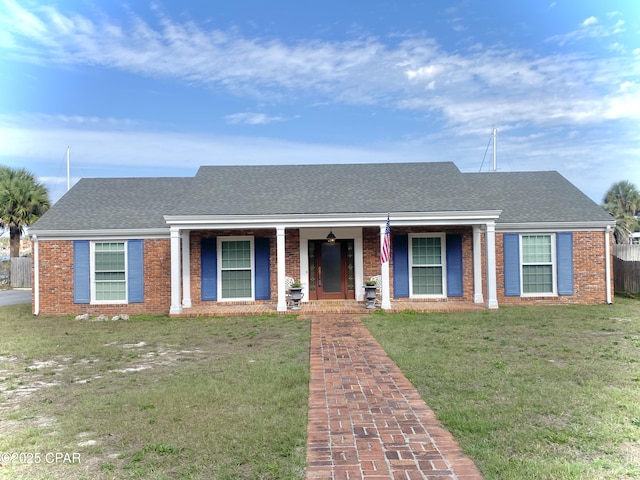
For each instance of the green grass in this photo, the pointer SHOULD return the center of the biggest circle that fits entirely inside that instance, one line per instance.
(529, 392)
(155, 398)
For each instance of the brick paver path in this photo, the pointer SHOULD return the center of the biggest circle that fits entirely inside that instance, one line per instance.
(366, 420)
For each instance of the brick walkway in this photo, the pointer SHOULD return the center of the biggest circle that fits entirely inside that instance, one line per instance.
(366, 420)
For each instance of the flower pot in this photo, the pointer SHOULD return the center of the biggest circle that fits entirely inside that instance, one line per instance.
(370, 295)
(296, 296)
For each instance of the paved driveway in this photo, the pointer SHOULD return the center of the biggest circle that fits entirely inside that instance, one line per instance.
(14, 297)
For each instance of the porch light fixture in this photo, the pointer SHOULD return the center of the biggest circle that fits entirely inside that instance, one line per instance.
(331, 238)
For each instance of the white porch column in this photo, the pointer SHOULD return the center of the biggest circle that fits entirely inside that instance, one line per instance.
(386, 285)
(186, 268)
(281, 267)
(477, 266)
(492, 300)
(176, 307)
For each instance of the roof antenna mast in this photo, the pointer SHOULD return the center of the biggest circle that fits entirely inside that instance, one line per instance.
(495, 149)
(68, 170)
(494, 138)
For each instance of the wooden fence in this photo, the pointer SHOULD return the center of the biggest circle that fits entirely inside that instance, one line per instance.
(626, 268)
(628, 252)
(21, 272)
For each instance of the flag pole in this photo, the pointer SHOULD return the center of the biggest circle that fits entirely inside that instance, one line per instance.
(68, 169)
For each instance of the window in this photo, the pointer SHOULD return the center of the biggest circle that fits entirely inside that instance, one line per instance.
(427, 263)
(109, 272)
(538, 264)
(236, 268)
(538, 269)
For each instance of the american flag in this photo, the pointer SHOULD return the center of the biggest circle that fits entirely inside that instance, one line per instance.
(386, 243)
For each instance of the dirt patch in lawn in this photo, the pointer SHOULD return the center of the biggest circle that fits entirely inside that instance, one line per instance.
(28, 386)
(143, 400)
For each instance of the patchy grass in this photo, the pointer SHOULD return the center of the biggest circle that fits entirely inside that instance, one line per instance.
(530, 392)
(153, 397)
(624, 294)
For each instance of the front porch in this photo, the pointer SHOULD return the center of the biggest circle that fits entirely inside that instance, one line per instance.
(331, 257)
(322, 307)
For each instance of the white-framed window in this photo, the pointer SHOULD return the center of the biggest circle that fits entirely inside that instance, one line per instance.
(427, 265)
(538, 264)
(236, 268)
(108, 272)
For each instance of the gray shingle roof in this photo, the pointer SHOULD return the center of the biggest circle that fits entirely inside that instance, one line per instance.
(134, 203)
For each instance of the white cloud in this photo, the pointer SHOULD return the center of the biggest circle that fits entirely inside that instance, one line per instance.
(626, 103)
(471, 89)
(618, 27)
(428, 72)
(589, 28)
(617, 47)
(250, 118)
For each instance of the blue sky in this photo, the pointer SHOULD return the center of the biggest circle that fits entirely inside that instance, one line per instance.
(159, 88)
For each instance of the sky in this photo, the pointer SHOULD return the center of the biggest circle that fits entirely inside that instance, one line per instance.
(158, 88)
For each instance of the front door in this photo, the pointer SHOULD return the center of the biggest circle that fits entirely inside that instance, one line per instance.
(331, 270)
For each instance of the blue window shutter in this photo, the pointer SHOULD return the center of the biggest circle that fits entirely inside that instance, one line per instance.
(400, 266)
(263, 271)
(564, 252)
(81, 272)
(209, 269)
(511, 264)
(135, 271)
(454, 265)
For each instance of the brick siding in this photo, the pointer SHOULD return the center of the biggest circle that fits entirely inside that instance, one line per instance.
(292, 239)
(589, 279)
(56, 281)
(56, 270)
(372, 264)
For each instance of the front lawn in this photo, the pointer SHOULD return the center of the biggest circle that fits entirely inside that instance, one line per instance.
(529, 392)
(153, 398)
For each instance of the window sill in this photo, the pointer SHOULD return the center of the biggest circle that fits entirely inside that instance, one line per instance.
(428, 297)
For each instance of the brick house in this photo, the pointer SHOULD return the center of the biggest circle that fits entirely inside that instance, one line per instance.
(234, 234)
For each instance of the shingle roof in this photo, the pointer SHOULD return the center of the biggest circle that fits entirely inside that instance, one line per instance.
(133, 203)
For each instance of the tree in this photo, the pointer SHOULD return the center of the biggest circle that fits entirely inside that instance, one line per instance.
(22, 201)
(622, 200)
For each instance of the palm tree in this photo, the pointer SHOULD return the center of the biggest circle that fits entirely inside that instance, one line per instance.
(22, 201)
(622, 200)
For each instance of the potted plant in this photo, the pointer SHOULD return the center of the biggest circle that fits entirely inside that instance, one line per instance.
(295, 292)
(370, 293)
